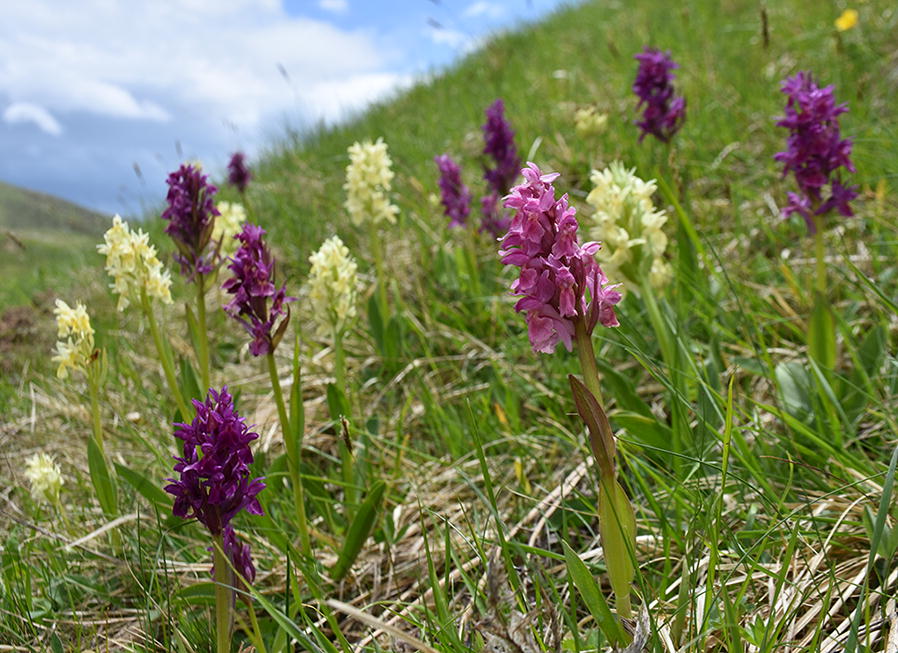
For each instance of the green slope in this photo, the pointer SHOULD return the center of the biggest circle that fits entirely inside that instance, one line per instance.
(23, 209)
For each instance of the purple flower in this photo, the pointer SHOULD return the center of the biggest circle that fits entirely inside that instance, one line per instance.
(238, 174)
(560, 280)
(815, 150)
(664, 113)
(214, 483)
(455, 195)
(494, 221)
(240, 556)
(191, 217)
(498, 144)
(253, 287)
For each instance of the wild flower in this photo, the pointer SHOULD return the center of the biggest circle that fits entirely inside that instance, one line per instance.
(132, 263)
(629, 227)
(498, 145)
(455, 196)
(45, 478)
(239, 175)
(191, 217)
(560, 282)
(663, 112)
(253, 287)
(368, 182)
(214, 482)
(847, 20)
(333, 287)
(229, 223)
(589, 121)
(75, 347)
(815, 150)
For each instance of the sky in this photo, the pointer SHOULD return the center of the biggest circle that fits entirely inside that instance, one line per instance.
(101, 99)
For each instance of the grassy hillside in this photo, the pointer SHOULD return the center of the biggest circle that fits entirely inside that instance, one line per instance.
(28, 210)
(762, 475)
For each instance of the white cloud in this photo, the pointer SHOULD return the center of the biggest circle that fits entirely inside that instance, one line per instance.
(336, 6)
(445, 36)
(19, 112)
(338, 98)
(482, 8)
(158, 61)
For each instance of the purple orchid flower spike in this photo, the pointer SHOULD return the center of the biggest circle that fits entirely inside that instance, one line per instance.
(191, 217)
(663, 111)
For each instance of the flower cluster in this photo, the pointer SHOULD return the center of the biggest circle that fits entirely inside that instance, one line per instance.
(333, 286)
(252, 285)
(240, 556)
(589, 121)
(455, 195)
(191, 218)
(368, 181)
(239, 175)
(132, 263)
(629, 227)
(45, 478)
(664, 112)
(214, 483)
(815, 150)
(560, 281)
(498, 144)
(229, 223)
(75, 347)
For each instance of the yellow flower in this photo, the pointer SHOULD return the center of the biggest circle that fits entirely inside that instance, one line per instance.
(333, 286)
(847, 20)
(131, 262)
(629, 226)
(368, 183)
(228, 225)
(75, 347)
(45, 478)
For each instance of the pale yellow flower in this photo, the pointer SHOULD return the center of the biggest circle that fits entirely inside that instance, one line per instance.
(368, 183)
(45, 478)
(333, 286)
(629, 227)
(847, 20)
(228, 225)
(589, 122)
(75, 347)
(132, 263)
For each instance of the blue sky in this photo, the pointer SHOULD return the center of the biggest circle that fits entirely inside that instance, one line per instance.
(93, 91)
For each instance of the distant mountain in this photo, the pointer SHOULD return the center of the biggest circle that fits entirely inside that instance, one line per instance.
(22, 209)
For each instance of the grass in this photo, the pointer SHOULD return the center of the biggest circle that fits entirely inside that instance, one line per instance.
(762, 482)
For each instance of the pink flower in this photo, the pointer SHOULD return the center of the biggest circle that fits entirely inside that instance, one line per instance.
(560, 281)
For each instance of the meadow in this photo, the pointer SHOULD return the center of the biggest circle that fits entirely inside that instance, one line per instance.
(432, 483)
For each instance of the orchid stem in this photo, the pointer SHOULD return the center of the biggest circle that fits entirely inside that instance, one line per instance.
(202, 341)
(222, 596)
(294, 457)
(377, 250)
(164, 357)
(587, 360)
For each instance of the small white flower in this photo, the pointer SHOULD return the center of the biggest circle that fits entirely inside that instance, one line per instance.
(76, 338)
(368, 182)
(228, 225)
(589, 122)
(131, 262)
(629, 226)
(333, 286)
(45, 478)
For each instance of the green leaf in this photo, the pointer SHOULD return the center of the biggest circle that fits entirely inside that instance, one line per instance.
(592, 596)
(795, 384)
(193, 327)
(359, 530)
(337, 404)
(822, 333)
(601, 438)
(102, 481)
(297, 408)
(393, 337)
(152, 492)
(190, 383)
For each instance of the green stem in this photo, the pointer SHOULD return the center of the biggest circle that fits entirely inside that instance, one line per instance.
(339, 361)
(471, 242)
(587, 360)
(222, 596)
(294, 457)
(164, 356)
(202, 342)
(92, 384)
(820, 256)
(377, 250)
